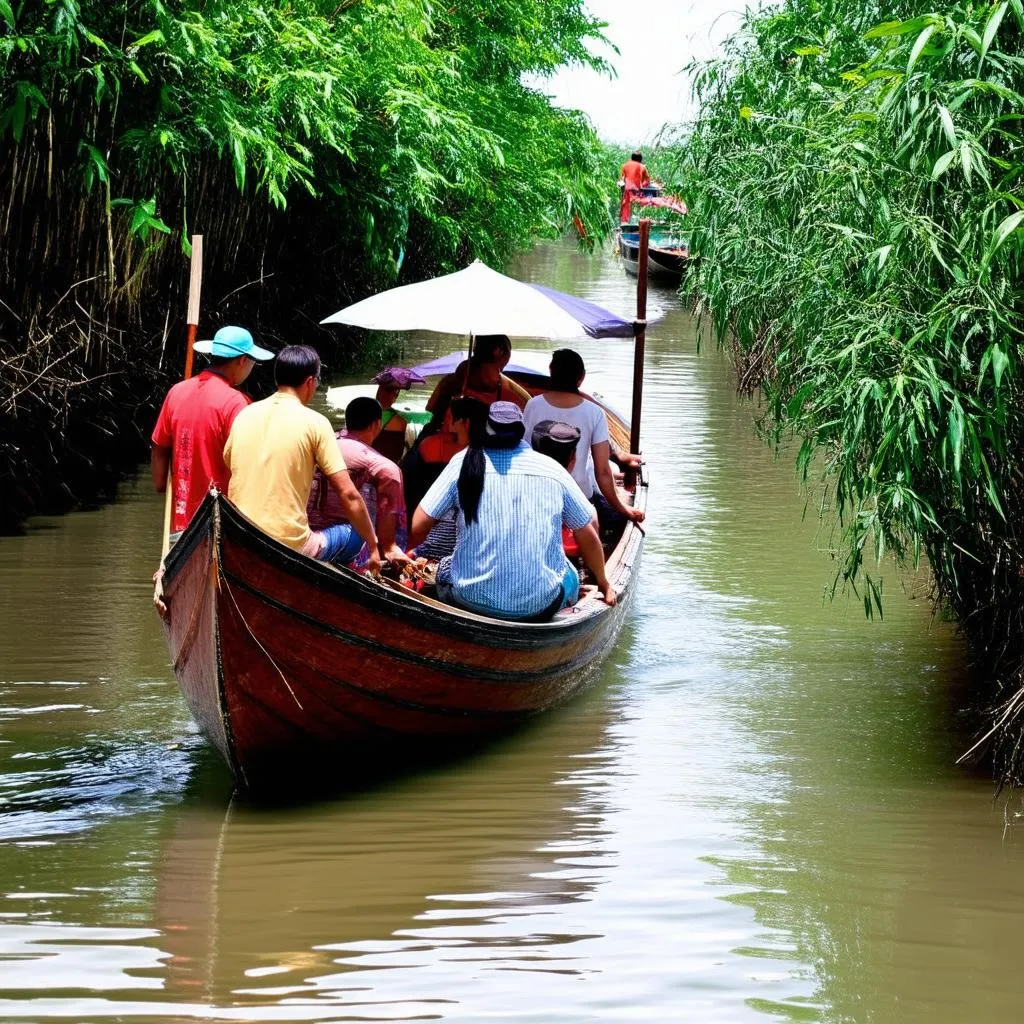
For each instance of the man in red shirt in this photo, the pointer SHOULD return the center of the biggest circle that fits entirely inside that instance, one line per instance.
(193, 425)
(632, 178)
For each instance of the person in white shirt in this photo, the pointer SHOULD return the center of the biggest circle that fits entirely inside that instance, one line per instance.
(564, 403)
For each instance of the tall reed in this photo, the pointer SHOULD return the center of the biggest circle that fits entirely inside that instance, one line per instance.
(855, 181)
(322, 149)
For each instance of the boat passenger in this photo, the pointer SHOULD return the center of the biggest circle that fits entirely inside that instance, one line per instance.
(390, 440)
(424, 464)
(195, 420)
(633, 177)
(272, 450)
(511, 503)
(376, 477)
(592, 471)
(478, 377)
(558, 441)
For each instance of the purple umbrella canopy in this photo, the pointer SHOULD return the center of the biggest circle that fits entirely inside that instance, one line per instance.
(443, 365)
(398, 377)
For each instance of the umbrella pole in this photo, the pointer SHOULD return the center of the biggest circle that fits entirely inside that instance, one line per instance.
(640, 337)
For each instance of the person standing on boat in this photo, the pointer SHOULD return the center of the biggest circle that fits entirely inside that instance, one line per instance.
(375, 476)
(633, 177)
(272, 451)
(195, 420)
(592, 471)
(478, 377)
(391, 382)
(512, 503)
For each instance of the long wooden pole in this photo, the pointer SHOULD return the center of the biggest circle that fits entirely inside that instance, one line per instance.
(640, 339)
(195, 287)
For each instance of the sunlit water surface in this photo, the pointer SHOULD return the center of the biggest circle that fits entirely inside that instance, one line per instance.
(753, 815)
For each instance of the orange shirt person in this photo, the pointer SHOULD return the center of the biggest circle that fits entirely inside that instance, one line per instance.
(478, 377)
(632, 177)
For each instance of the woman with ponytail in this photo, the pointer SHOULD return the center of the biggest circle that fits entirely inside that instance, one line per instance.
(511, 503)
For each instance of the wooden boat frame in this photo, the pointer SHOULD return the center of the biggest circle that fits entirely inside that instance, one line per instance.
(289, 664)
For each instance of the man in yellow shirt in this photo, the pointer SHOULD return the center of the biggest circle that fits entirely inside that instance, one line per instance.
(272, 450)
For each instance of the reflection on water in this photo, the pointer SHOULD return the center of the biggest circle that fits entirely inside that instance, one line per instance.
(753, 814)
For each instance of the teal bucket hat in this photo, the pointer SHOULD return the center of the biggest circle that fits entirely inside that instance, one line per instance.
(230, 342)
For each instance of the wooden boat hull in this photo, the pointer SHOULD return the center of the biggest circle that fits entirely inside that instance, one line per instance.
(665, 262)
(289, 664)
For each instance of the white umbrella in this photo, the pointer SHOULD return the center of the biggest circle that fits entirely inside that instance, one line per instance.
(479, 300)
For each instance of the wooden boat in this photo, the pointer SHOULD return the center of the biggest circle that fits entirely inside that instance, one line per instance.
(667, 257)
(292, 666)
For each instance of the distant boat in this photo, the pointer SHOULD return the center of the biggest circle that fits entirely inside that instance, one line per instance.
(667, 256)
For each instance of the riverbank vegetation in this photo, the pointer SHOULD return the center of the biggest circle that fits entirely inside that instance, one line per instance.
(858, 220)
(321, 148)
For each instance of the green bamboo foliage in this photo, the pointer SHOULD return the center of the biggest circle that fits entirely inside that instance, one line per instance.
(855, 177)
(321, 147)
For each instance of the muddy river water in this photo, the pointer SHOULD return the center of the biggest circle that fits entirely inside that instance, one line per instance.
(753, 815)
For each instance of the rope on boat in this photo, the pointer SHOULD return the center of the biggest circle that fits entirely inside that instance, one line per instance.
(222, 582)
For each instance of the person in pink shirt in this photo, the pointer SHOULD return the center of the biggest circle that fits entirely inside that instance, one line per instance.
(375, 476)
(195, 421)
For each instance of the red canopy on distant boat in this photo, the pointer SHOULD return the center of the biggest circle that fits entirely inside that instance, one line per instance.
(673, 203)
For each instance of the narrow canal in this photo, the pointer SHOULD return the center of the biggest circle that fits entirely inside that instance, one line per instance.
(753, 815)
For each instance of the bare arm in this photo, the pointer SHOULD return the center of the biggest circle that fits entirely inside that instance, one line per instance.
(593, 555)
(603, 473)
(627, 460)
(387, 531)
(422, 524)
(354, 509)
(160, 466)
(442, 394)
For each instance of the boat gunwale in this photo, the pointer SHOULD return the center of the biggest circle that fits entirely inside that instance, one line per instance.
(431, 614)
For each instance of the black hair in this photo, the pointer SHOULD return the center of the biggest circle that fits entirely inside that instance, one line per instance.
(560, 449)
(361, 413)
(566, 370)
(471, 475)
(471, 409)
(638, 157)
(216, 362)
(485, 345)
(294, 364)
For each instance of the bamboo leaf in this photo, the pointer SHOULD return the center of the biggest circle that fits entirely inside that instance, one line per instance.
(156, 36)
(965, 160)
(942, 164)
(902, 28)
(947, 123)
(991, 28)
(1006, 227)
(920, 43)
(1000, 361)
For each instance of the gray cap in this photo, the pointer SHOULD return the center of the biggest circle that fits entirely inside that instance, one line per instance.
(556, 431)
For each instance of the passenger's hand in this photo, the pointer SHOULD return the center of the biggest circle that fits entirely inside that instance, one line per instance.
(373, 562)
(158, 593)
(630, 461)
(635, 515)
(608, 593)
(396, 556)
